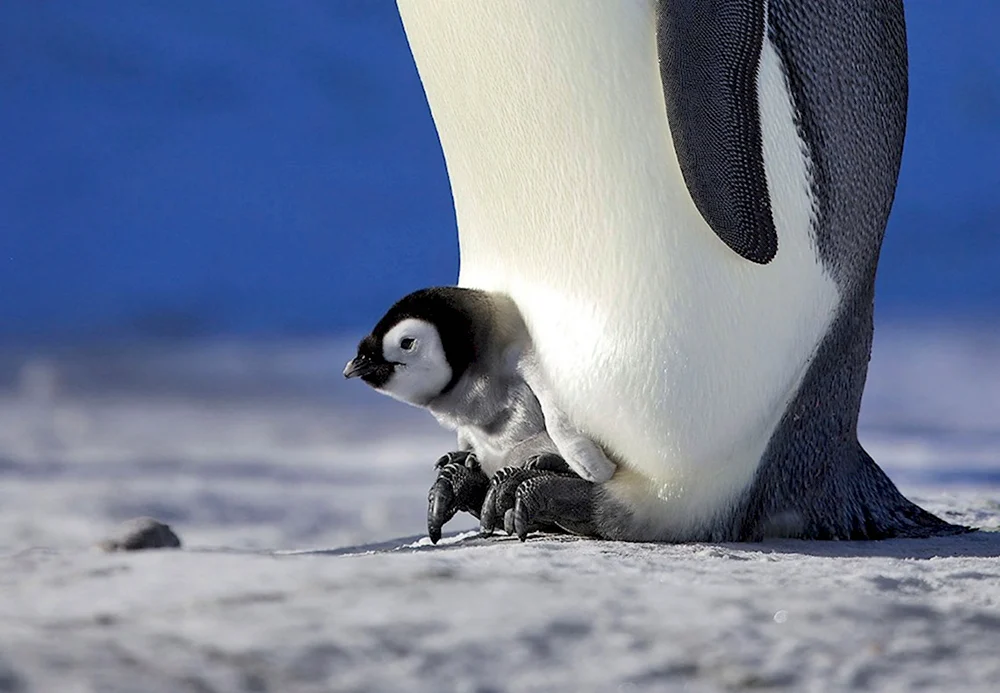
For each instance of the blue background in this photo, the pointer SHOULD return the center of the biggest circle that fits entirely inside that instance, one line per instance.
(181, 169)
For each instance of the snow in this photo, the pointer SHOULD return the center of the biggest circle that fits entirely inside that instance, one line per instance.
(300, 499)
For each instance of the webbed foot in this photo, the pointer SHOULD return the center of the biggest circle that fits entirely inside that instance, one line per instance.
(460, 485)
(564, 501)
(543, 495)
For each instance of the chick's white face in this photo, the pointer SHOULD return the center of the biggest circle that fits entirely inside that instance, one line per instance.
(421, 369)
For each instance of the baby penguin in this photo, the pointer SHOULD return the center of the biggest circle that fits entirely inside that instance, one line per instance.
(466, 356)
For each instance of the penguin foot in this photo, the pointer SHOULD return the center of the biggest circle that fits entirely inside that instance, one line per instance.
(460, 485)
(550, 462)
(502, 494)
(544, 495)
(563, 501)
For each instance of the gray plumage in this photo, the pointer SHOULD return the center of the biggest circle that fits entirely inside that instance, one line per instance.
(487, 400)
(466, 356)
(492, 409)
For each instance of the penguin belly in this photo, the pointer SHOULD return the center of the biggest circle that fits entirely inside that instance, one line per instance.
(660, 342)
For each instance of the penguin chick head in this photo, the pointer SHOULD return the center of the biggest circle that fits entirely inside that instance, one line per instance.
(422, 346)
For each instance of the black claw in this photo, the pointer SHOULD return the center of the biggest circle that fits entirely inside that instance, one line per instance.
(508, 521)
(565, 502)
(460, 486)
(441, 507)
(500, 496)
(487, 516)
(549, 462)
(456, 457)
(527, 505)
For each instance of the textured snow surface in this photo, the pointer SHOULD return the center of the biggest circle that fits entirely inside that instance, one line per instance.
(300, 500)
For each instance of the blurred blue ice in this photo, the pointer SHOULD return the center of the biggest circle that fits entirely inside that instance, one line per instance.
(261, 168)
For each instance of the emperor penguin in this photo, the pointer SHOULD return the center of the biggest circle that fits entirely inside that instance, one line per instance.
(686, 200)
(466, 357)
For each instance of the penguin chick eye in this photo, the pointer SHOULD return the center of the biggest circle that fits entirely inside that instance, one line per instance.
(406, 343)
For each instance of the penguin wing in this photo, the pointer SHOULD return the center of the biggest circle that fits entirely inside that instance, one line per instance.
(709, 52)
(584, 456)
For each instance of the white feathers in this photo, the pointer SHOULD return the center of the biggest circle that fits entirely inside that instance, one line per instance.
(422, 369)
(661, 343)
(583, 455)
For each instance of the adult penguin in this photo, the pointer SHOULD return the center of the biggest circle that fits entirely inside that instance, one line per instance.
(686, 200)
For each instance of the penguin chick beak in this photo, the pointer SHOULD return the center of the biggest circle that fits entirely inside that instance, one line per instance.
(358, 367)
(370, 365)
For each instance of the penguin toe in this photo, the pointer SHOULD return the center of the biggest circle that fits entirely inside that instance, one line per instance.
(541, 496)
(549, 462)
(440, 508)
(562, 501)
(459, 487)
(508, 522)
(500, 496)
(455, 457)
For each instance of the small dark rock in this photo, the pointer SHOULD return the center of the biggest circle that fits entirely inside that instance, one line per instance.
(141, 533)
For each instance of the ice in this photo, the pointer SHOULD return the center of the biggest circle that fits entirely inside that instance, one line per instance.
(301, 498)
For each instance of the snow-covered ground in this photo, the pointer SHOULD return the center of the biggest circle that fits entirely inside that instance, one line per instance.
(300, 499)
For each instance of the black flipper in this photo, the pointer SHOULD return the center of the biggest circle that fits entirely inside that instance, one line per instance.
(709, 52)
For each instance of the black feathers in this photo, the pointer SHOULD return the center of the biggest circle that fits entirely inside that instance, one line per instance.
(709, 53)
(459, 315)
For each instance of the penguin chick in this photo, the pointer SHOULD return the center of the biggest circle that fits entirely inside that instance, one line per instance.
(465, 355)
